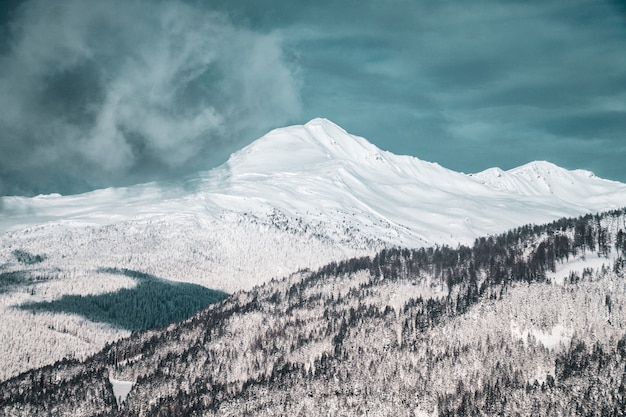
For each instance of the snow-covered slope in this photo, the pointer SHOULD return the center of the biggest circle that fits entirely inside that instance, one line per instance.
(400, 199)
(407, 333)
(299, 197)
(320, 175)
(541, 178)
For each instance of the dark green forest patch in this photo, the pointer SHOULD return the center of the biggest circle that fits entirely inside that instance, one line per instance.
(154, 302)
(28, 258)
(9, 280)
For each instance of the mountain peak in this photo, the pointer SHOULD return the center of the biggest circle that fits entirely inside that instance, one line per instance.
(548, 169)
(543, 178)
(322, 121)
(301, 147)
(320, 168)
(540, 168)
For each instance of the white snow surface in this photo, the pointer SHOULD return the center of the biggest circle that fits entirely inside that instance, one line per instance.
(317, 181)
(554, 338)
(590, 260)
(299, 197)
(318, 173)
(121, 389)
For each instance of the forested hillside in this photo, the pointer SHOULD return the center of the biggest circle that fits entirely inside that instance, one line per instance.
(530, 322)
(298, 198)
(153, 302)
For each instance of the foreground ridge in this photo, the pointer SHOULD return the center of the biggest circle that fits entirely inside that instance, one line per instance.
(529, 322)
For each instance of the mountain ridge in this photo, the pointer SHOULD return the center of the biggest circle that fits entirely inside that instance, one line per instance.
(499, 328)
(308, 159)
(242, 225)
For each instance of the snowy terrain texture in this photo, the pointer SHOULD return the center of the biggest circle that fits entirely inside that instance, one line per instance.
(297, 198)
(504, 328)
(317, 176)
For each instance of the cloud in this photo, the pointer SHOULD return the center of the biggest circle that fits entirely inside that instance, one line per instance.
(431, 78)
(100, 93)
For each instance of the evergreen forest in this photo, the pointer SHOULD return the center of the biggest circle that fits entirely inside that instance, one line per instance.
(530, 322)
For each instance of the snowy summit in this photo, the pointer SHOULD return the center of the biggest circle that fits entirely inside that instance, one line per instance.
(299, 197)
(321, 175)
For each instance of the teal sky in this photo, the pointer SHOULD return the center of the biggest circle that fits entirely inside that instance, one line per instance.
(97, 93)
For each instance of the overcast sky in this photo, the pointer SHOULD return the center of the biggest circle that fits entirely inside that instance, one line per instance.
(98, 93)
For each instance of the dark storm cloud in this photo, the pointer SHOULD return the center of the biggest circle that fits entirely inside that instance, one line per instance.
(96, 93)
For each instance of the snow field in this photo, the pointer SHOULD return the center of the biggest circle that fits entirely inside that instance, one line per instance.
(299, 197)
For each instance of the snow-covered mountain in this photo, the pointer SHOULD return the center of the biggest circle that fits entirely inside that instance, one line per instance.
(297, 191)
(299, 197)
(319, 175)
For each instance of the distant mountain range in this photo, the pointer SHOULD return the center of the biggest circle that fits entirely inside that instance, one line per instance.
(298, 198)
(320, 176)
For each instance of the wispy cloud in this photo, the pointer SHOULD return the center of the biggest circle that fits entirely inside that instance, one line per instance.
(96, 93)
